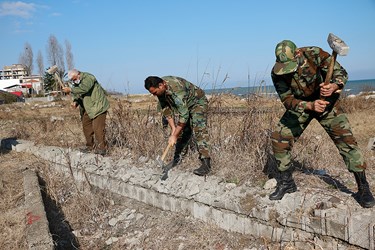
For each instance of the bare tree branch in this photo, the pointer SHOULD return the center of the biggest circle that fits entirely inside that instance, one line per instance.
(27, 58)
(40, 63)
(69, 55)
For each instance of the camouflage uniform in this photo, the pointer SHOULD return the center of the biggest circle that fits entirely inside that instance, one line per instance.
(302, 86)
(189, 102)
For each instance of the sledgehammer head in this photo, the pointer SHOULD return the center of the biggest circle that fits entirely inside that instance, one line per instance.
(160, 162)
(52, 70)
(337, 45)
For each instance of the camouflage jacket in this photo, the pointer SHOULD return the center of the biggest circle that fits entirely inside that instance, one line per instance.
(180, 96)
(297, 88)
(90, 95)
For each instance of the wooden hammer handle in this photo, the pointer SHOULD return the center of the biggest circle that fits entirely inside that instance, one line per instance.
(165, 152)
(330, 68)
(57, 77)
(330, 71)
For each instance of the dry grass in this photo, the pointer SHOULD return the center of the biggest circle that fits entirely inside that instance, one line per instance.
(239, 132)
(12, 216)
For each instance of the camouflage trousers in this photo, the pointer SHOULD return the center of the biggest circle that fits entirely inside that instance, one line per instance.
(196, 127)
(292, 124)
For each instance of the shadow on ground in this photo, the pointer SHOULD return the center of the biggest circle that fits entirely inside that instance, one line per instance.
(59, 227)
(270, 169)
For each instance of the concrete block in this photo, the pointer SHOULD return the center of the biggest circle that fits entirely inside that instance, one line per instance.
(371, 144)
(202, 211)
(218, 216)
(232, 204)
(359, 230)
(205, 198)
(234, 222)
(167, 204)
(372, 236)
(336, 223)
(116, 186)
(263, 213)
(187, 205)
(317, 222)
(250, 226)
(269, 232)
(142, 195)
(324, 243)
(158, 202)
(23, 147)
(176, 205)
(37, 230)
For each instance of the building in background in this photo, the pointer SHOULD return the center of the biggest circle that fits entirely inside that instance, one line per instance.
(15, 71)
(14, 79)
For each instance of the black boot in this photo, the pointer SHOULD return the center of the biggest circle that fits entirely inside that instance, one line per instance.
(364, 195)
(285, 184)
(205, 168)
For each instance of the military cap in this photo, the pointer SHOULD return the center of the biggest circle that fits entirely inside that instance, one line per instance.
(285, 61)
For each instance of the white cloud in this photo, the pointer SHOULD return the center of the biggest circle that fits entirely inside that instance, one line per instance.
(55, 14)
(19, 9)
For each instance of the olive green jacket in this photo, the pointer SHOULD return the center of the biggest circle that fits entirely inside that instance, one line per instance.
(90, 95)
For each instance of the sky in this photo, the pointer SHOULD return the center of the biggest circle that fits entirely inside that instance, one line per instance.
(212, 43)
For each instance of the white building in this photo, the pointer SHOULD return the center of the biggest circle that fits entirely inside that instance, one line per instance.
(15, 71)
(16, 74)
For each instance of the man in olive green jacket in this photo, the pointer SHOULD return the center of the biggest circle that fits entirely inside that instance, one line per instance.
(91, 98)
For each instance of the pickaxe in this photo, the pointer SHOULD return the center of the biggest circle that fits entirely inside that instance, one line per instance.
(53, 71)
(339, 47)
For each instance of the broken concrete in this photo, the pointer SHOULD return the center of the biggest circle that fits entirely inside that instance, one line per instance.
(371, 144)
(332, 220)
(38, 236)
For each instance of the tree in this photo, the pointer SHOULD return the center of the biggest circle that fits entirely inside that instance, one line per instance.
(69, 55)
(40, 63)
(55, 54)
(26, 58)
(49, 83)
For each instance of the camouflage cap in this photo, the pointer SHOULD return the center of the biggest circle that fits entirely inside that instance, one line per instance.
(285, 61)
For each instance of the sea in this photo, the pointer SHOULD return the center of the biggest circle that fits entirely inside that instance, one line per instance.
(352, 87)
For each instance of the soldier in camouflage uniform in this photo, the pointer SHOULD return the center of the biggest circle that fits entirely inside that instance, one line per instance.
(298, 77)
(179, 97)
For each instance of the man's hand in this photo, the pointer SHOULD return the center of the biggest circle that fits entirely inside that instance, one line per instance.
(329, 89)
(317, 106)
(74, 105)
(66, 90)
(176, 131)
(172, 140)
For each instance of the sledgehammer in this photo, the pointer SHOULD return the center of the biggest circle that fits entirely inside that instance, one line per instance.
(339, 47)
(53, 71)
(160, 162)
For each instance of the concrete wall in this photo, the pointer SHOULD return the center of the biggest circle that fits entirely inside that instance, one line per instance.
(331, 220)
